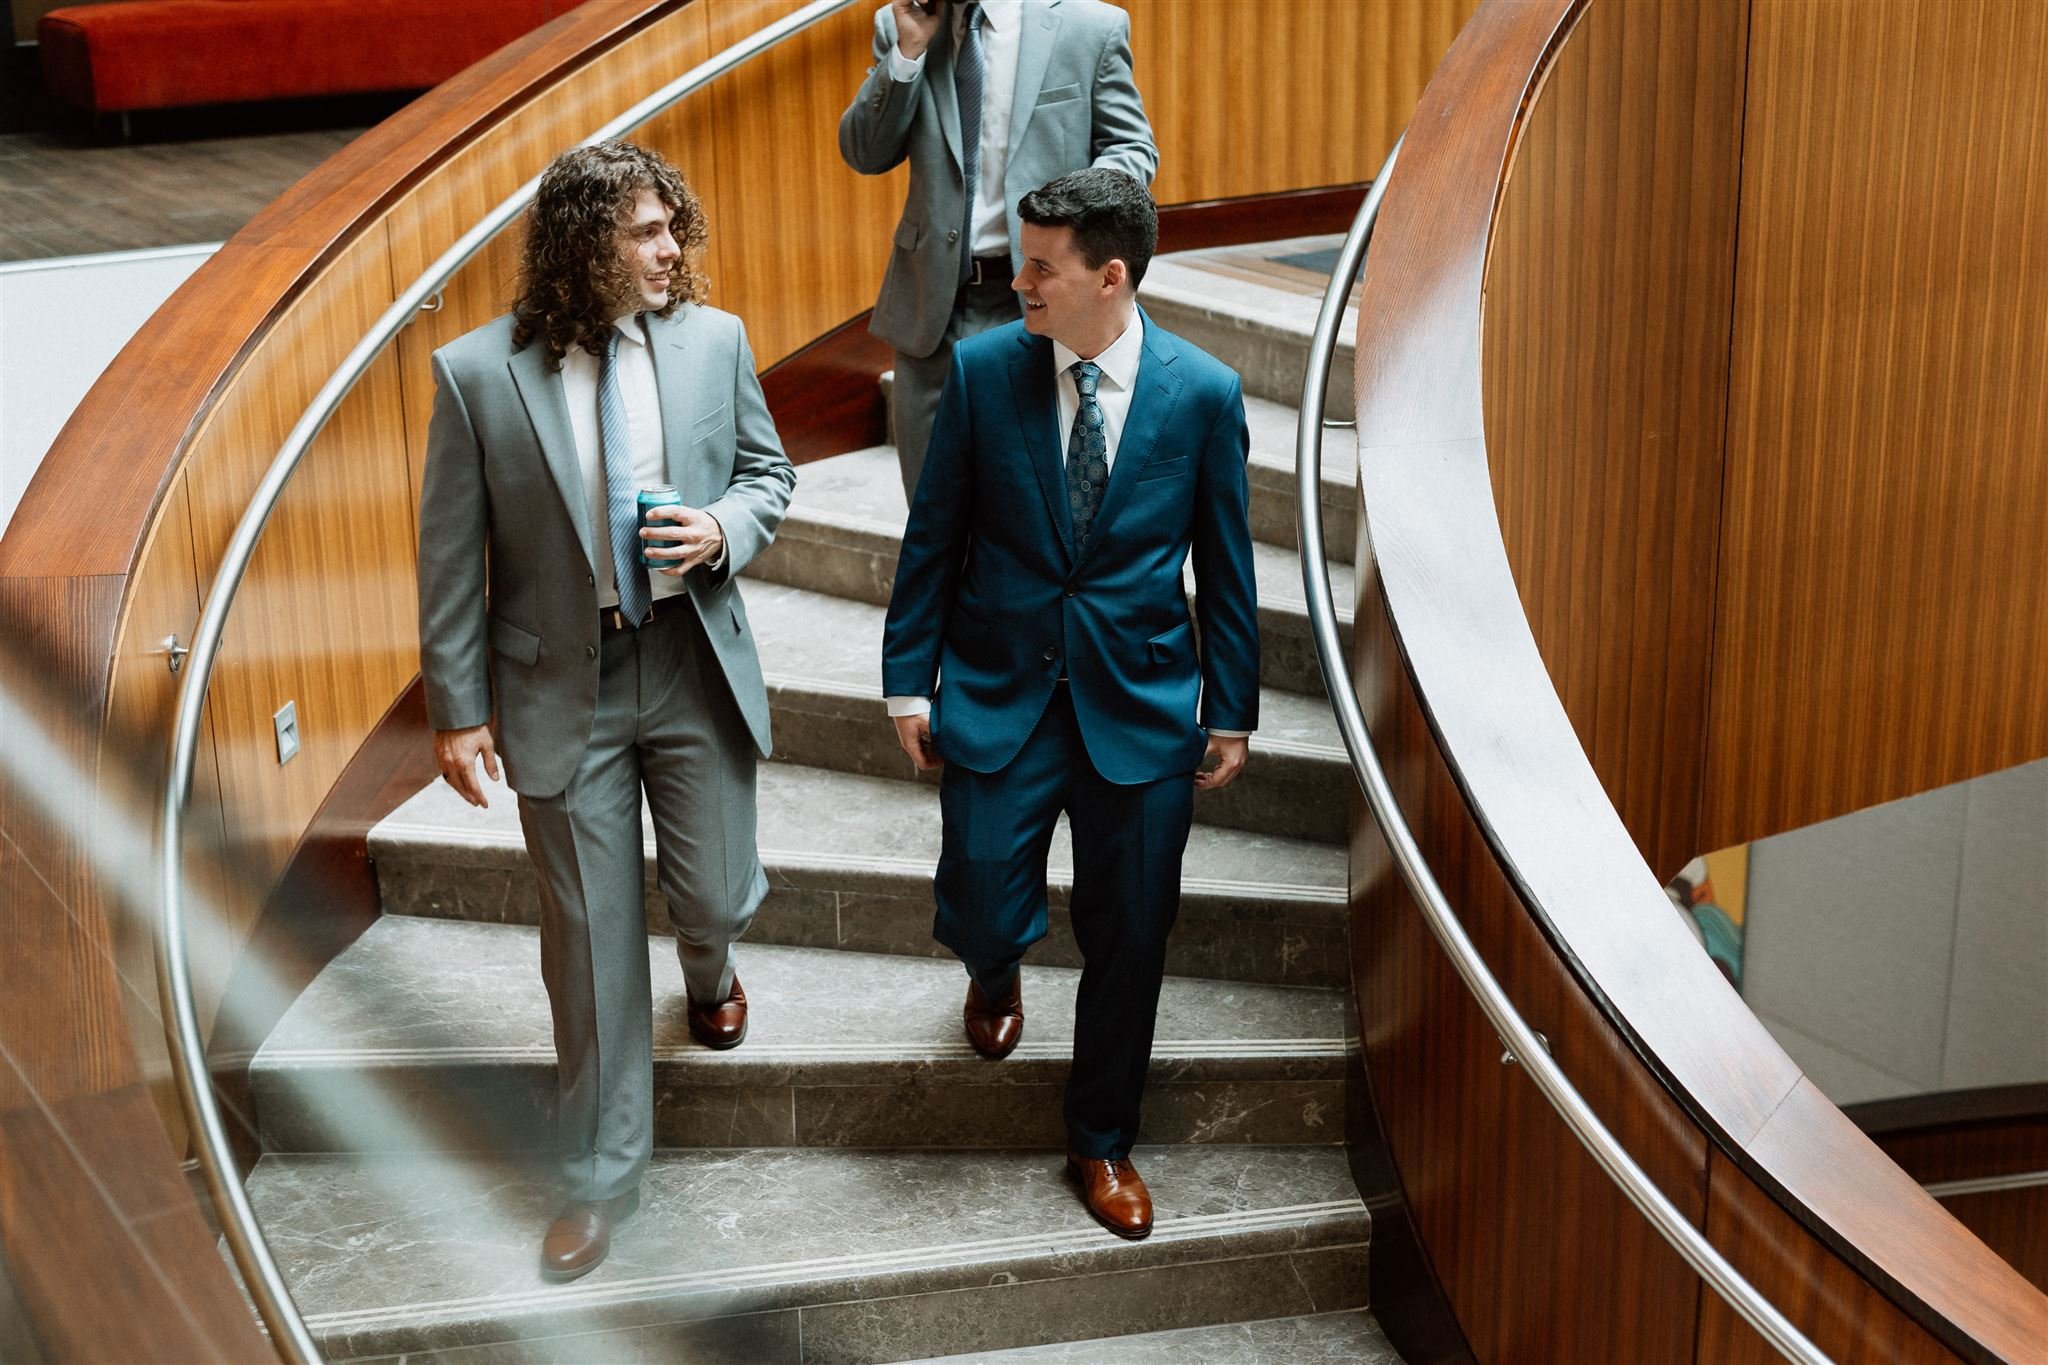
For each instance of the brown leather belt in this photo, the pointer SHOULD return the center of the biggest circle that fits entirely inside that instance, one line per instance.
(611, 618)
(989, 270)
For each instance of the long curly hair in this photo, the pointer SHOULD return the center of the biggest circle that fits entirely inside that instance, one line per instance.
(571, 275)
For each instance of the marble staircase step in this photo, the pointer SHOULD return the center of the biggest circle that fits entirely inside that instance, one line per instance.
(822, 654)
(850, 861)
(1259, 330)
(435, 1035)
(845, 527)
(1273, 484)
(805, 1255)
(1342, 1338)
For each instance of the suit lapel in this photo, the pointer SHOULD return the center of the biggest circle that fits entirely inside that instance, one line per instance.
(540, 389)
(938, 78)
(1038, 407)
(1034, 54)
(1157, 390)
(683, 401)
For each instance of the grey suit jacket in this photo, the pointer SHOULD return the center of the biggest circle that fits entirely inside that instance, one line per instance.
(507, 570)
(1075, 106)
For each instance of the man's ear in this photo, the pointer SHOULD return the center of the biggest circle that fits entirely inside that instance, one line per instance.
(1116, 274)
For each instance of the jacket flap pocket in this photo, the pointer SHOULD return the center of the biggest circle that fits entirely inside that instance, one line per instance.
(1164, 469)
(1055, 94)
(1174, 645)
(514, 642)
(907, 233)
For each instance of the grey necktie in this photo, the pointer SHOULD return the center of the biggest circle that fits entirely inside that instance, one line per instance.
(1087, 453)
(967, 87)
(621, 496)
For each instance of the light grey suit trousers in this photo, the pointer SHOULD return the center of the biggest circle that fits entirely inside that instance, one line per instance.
(1075, 105)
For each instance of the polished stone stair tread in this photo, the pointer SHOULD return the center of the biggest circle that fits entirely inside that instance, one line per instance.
(411, 1253)
(418, 990)
(1342, 1338)
(815, 642)
(857, 498)
(1180, 282)
(813, 819)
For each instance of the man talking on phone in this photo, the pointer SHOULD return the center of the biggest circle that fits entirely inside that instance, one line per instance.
(987, 99)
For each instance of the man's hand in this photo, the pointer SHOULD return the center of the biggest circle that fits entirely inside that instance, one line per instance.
(914, 733)
(457, 751)
(915, 28)
(696, 538)
(1230, 754)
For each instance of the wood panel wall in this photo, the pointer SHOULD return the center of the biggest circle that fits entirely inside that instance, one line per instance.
(1499, 561)
(1606, 366)
(1883, 606)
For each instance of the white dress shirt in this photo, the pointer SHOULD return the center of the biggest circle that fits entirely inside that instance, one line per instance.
(1002, 31)
(1118, 362)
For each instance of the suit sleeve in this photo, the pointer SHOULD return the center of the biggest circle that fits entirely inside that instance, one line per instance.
(754, 501)
(874, 132)
(935, 542)
(1226, 591)
(1122, 136)
(455, 661)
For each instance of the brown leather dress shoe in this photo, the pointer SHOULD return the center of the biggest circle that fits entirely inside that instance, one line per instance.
(1114, 1193)
(578, 1240)
(994, 1026)
(723, 1025)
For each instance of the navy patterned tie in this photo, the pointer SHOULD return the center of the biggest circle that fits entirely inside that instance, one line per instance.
(1087, 453)
(621, 495)
(967, 86)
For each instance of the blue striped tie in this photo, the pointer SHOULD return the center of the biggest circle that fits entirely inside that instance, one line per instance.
(621, 494)
(1087, 453)
(967, 86)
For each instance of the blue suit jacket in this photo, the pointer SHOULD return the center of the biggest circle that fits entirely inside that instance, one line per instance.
(992, 603)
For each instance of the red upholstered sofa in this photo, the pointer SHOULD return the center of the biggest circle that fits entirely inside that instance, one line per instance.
(157, 54)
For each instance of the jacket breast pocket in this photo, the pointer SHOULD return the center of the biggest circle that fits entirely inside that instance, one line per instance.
(1164, 469)
(515, 642)
(1058, 94)
(709, 425)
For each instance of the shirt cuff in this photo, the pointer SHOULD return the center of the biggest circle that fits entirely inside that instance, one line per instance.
(718, 563)
(907, 706)
(902, 68)
(1230, 734)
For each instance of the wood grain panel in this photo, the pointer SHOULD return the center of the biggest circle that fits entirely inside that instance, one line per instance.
(1883, 609)
(326, 615)
(2013, 1223)
(1838, 1310)
(1605, 369)
(1252, 99)
(1521, 834)
(774, 173)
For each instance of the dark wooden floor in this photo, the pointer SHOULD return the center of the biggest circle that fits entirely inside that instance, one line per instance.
(60, 198)
(72, 187)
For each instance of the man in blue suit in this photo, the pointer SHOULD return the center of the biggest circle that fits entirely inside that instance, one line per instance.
(1039, 646)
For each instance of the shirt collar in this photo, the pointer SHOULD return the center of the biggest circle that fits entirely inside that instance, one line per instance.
(632, 327)
(994, 14)
(1118, 361)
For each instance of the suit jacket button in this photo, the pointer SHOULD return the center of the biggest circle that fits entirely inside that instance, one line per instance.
(1071, 591)
(952, 235)
(590, 580)
(1051, 654)
(590, 651)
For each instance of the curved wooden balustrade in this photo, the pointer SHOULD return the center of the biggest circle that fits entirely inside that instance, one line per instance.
(1583, 538)
(119, 535)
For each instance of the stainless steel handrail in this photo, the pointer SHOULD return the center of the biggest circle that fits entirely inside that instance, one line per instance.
(174, 981)
(1523, 1044)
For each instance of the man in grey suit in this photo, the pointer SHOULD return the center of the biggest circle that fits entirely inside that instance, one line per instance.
(542, 629)
(987, 100)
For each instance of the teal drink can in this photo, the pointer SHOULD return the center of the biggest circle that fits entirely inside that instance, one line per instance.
(651, 497)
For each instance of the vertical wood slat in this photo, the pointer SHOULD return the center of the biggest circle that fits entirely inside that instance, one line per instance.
(1605, 373)
(1884, 573)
